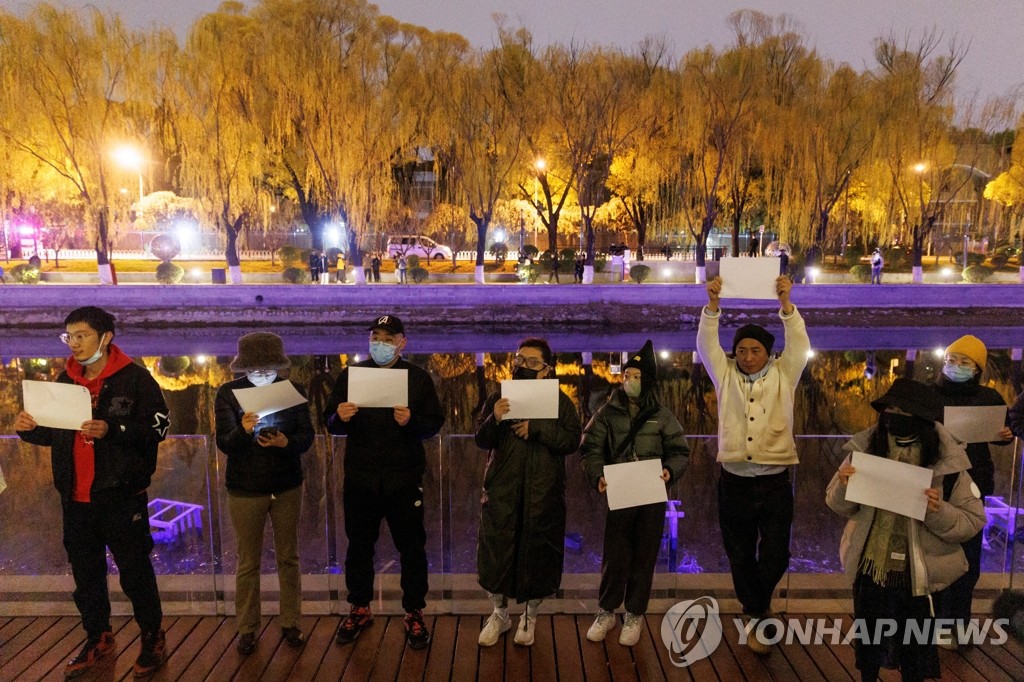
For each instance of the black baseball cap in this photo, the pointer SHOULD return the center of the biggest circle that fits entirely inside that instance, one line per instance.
(388, 323)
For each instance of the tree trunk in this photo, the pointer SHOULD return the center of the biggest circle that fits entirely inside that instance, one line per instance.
(102, 245)
(481, 222)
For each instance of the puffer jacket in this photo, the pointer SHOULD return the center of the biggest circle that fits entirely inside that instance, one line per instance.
(521, 541)
(252, 468)
(660, 437)
(755, 420)
(937, 558)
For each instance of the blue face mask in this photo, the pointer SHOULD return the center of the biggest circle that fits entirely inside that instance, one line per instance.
(958, 373)
(382, 353)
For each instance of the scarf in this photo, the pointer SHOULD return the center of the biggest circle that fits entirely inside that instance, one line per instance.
(884, 558)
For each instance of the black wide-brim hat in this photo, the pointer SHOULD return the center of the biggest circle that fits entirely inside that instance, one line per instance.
(912, 397)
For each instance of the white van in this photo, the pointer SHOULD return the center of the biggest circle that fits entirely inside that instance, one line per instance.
(417, 245)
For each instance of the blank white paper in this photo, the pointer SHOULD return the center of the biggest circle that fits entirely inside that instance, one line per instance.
(634, 483)
(378, 387)
(890, 485)
(750, 278)
(58, 406)
(980, 424)
(266, 400)
(531, 398)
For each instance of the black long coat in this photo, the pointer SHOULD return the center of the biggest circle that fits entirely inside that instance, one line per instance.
(521, 543)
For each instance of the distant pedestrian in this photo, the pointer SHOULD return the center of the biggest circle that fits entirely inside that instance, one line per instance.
(340, 270)
(375, 266)
(367, 267)
(402, 266)
(578, 265)
(554, 270)
(314, 266)
(877, 263)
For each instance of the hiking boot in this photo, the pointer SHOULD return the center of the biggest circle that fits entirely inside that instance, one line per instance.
(416, 633)
(527, 625)
(246, 643)
(603, 624)
(92, 650)
(632, 626)
(293, 637)
(153, 654)
(357, 619)
(497, 625)
(753, 642)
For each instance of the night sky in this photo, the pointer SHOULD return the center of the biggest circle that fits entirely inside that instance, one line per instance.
(841, 30)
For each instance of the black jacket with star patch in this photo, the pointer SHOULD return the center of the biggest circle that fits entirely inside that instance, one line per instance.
(131, 403)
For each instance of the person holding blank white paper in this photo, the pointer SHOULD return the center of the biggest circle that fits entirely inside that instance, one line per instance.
(895, 563)
(960, 385)
(632, 426)
(384, 465)
(521, 541)
(755, 393)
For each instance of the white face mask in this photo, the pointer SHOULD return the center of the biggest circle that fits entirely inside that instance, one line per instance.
(94, 357)
(261, 377)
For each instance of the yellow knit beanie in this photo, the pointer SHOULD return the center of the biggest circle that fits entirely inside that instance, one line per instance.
(972, 347)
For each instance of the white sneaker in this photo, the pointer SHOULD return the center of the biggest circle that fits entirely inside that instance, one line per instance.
(524, 633)
(603, 624)
(632, 626)
(494, 628)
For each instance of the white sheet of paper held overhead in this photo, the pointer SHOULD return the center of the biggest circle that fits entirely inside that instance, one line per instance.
(980, 424)
(378, 387)
(634, 483)
(58, 406)
(749, 277)
(890, 485)
(531, 398)
(265, 400)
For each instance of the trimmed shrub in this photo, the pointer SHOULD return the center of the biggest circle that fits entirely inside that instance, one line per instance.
(530, 251)
(412, 261)
(169, 273)
(600, 260)
(295, 275)
(333, 254)
(976, 274)
(567, 255)
(418, 275)
(25, 274)
(639, 273)
(545, 258)
(861, 272)
(289, 255)
(500, 251)
(972, 259)
(896, 259)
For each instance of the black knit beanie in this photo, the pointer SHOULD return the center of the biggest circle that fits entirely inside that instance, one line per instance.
(756, 332)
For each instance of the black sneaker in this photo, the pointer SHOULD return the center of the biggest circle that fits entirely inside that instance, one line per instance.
(94, 648)
(416, 633)
(153, 654)
(357, 619)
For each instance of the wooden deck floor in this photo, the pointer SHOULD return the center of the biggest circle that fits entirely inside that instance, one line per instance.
(202, 648)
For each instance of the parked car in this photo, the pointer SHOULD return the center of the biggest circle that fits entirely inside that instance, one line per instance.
(417, 245)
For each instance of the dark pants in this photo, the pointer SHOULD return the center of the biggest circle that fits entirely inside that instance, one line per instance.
(632, 538)
(364, 510)
(123, 526)
(955, 601)
(755, 515)
(872, 602)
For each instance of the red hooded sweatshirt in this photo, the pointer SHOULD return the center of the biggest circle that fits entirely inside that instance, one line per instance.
(85, 466)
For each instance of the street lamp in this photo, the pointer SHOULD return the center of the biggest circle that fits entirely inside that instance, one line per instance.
(130, 158)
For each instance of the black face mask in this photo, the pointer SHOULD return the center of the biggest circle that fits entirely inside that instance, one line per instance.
(905, 426)
(525, 373)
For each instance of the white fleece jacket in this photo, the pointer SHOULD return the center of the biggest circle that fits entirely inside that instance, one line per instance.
(755, 420)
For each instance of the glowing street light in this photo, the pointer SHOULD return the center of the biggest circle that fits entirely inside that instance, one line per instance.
(920, 168)
(130, 158)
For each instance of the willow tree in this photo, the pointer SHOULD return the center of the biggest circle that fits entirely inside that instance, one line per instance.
(1007, 190)
(708, 130)
(915, 142)
(223, 153)
(478, 146)
(68, 79)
